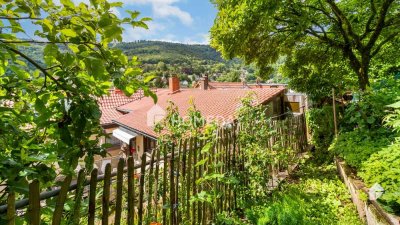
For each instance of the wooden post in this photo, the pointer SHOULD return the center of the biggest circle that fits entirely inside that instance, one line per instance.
(11, 208)
(150, 189)
(92, 197)
(334, 111)
(141, 188)
(78, 197)
(164, 189)
(157, 183)
(106, 195)
(120, 181)
(34, 203)
(58, 211)
(131, 191)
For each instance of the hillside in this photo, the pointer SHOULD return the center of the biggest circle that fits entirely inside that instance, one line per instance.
(165, 59)
(155, 51)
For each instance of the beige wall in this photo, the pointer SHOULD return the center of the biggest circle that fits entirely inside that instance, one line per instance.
(139, 145)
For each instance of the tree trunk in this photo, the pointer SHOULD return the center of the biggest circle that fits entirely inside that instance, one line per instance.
(360, 67)
(363, 76)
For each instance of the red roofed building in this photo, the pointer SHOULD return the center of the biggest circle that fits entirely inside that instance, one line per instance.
(133, 121)
(108, 106)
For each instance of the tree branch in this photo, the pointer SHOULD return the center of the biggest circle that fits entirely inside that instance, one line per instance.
(380, 45)
(42, 42)
(380, 25)
(43, 70)
(19, 18)
(324, 38)
(370, 19)
(341, 17)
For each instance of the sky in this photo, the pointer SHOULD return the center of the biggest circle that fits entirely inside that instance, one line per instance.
(182, 21)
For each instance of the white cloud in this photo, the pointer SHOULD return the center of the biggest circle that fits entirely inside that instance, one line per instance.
(164, 9)
(134, 34)
(161, 9)
(199, 39)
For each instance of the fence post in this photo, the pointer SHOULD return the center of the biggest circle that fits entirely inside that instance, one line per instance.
(106, 195)
(58, 211)
(120, 181)
(131, 191)
(141, 188)
(78, 197)
(34, 203)
(11, 208)
(92, 197)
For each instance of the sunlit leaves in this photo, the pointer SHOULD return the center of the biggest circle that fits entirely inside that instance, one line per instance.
(49, 117)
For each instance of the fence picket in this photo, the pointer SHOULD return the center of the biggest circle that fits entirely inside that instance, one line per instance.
(131, 191)
(150, 192)
(120, 182)
(78, 197)
(11, 208)
(106, 195)
(34, 203)
(92, 197)
(58, 211)
(141, 188)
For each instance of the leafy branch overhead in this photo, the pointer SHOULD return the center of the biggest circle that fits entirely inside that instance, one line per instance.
(352, 31)
(48, 107)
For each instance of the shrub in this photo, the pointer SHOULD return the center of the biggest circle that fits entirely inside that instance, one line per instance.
(383, 168)
(321, 126)
(368, 112)
(356, 146)
(318, 197)
(289, 209)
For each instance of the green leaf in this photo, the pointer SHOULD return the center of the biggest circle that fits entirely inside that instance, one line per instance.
(69, 32)
(147, 79)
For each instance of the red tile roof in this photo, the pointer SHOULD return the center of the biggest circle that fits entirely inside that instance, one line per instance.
(229, 85)
(213, 104)
(238, 85)
(109, 103)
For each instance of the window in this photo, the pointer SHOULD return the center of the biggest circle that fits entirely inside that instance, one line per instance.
(113, 140)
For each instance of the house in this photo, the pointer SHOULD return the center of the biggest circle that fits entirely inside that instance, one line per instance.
(108, 105)
(294, 101)
(132, 123)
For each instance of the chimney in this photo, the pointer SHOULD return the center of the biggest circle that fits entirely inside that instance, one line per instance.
(118, 91)
(173, 84)
(204, 82)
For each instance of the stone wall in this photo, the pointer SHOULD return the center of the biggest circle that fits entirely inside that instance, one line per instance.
(368, 210)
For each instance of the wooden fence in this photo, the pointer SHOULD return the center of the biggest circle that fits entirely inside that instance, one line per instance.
(180, 184)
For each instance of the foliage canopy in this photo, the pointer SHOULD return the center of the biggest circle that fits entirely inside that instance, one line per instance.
(338, 34)
(49, 117)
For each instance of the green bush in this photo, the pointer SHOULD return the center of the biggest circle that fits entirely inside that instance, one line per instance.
(321, 126)
(356, 146)
(289, 209)
(318, 198)
(368, 110)
(383, 168)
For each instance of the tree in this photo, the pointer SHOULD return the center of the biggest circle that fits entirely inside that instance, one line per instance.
(261, 30)
(49, 116)
(231, 76)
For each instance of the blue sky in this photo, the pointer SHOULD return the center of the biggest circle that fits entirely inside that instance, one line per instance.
(184, 21)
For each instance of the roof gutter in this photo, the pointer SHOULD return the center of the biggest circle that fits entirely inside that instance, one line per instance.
(135, 130)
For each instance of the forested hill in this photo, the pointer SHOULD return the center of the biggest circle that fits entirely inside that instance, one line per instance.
(155, 51)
